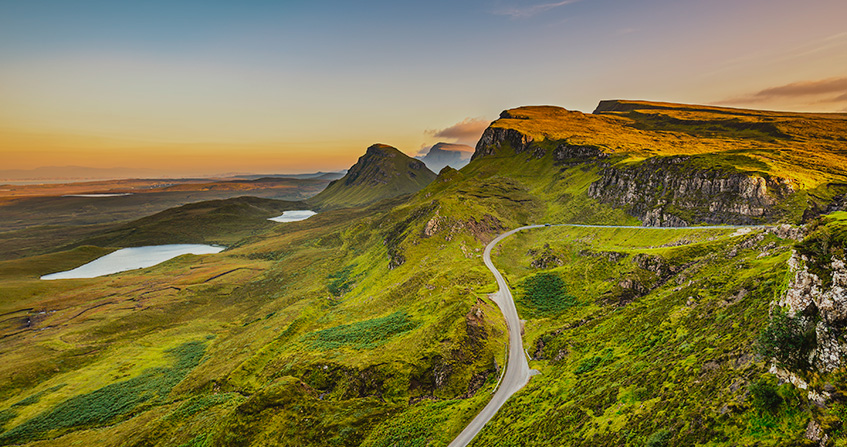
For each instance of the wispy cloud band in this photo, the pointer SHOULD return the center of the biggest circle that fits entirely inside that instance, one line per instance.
(830, 90)
(532, 10)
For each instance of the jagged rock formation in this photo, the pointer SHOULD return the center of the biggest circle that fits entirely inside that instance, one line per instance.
(821, 306)
(383, 172)
(668, 191)
(442, 155)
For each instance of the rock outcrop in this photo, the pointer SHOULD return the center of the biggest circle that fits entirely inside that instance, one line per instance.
(495, 137)
(821, 306)
(670, 192)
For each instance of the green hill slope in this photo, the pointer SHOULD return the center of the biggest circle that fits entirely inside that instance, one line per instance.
(211, 222)
(382, 173)
(372, 326)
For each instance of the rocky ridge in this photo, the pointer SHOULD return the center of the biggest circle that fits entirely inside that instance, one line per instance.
(669, 192)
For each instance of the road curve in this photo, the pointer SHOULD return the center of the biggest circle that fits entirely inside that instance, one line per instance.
(517, 369)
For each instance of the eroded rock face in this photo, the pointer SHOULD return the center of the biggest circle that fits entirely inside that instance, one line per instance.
(661, 189)
(807, 297)
(494, 137)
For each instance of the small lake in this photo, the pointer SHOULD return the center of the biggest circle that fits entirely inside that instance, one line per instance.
(133, 258)
(121, 194)
(293, 216)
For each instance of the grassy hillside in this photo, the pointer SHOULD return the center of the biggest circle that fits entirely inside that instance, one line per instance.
(371, 326)
(382, 173)
(223, 222)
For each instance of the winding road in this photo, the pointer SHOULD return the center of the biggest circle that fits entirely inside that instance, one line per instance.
(517, 368)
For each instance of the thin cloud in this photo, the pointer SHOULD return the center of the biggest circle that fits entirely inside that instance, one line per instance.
(824, 90)
(467, 131)
(529, 11)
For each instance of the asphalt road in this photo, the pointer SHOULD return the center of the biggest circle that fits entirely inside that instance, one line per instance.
(517, 369)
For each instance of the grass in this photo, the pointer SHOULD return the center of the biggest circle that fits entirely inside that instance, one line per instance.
(382, 173)
(631, 374)
(111, 402)
(366, 334)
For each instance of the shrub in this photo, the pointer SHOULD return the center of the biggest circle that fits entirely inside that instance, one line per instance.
(366, 334)
(590, 363)
(660, 438)
(785, 340)
(546, 293)
(765, 396)
(340, 282)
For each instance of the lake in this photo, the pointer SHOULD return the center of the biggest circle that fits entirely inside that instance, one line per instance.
(293, 216)
(133, 258)
(120, 194)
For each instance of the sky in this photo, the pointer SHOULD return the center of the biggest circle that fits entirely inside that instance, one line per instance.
(209, 87)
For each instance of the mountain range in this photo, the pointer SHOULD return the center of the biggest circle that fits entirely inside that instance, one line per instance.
(441, 155)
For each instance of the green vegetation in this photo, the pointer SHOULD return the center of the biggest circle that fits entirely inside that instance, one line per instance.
(216, 222)
(371, 326)
(827, 240)
(382, 173)
(362, 335)
(660, 438)
(113, 401)
(765, 395)
(671, 366)
(785, 340)
(546, 293)
(341, 281)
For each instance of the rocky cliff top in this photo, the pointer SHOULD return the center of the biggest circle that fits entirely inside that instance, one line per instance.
(648, 151)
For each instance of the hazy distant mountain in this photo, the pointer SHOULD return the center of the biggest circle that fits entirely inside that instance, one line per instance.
(383, 172)
(447, 154)
(75, 173)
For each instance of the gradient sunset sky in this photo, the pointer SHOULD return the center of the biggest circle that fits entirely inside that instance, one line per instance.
(206, 87)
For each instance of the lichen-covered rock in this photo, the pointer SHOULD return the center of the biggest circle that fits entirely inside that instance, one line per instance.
(807, 297)
(544, 258)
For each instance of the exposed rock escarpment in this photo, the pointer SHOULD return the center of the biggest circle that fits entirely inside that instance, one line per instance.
(821, 306)
(495, 137)
(669, 192)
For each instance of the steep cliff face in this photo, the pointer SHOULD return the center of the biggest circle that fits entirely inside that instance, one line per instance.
(821, 306)
(670, 191)
(495, 138)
